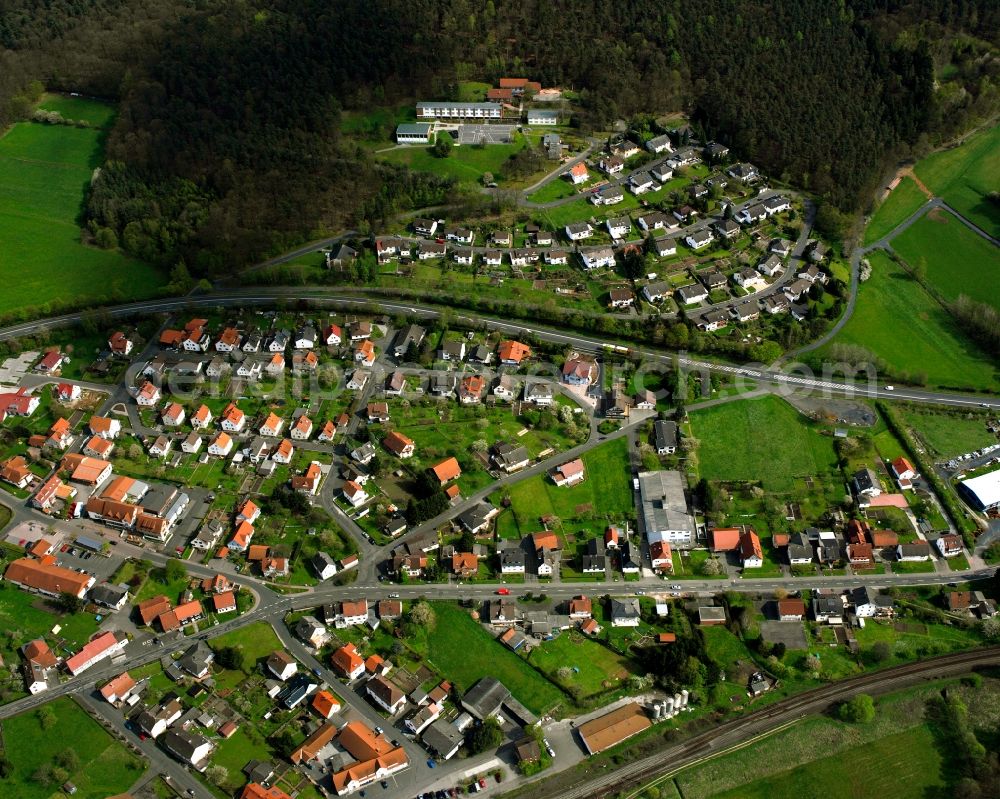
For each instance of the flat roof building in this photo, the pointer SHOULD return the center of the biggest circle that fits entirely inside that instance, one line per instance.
(664, 508)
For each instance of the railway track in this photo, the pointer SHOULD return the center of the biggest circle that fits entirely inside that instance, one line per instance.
(740, 731)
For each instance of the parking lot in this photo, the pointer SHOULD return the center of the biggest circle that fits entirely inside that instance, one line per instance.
(485, 134)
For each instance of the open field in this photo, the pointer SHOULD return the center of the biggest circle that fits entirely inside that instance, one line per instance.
(896, 755)
(466, 163)
(901, 203)
(949, 434)
(897, 320)
(595, 668)
(80, 109)
(964, 175)
(606, 489)
(104, 767)
(44, 173)
(956, 260)
(760, 439)
(464, 652)
(903, 765)
(24, 617)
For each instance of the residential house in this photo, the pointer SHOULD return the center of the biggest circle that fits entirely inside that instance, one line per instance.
(579, 370)
(750, 549)
(656, 292)
(568, 474)
(578, 173)
(399, 445)
(625, 612)
(577, 231)
(541, 394)
(699, 239)
(665, 437)
(693, 293)
(612, 195)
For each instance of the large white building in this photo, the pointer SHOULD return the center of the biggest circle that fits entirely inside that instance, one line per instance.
(450, 110)
(982, 493)
(664, 508)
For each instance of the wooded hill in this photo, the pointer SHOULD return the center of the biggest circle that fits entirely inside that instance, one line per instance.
(227, 145)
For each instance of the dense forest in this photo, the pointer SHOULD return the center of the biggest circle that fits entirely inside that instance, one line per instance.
(227, 144)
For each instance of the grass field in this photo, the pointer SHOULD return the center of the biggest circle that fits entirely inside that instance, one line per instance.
(606, 489)
(44, 173)
(553, 190)
(897, 320)
(258, 640)
(760, 439)
(106, 767)
(902, 201)
(903, 765)
(464, 652)
(950, 434)
(24, 617)
(466, 163)
(596, 668)
(956, 260)
(897, 756)
(93, 112)
(963, 176)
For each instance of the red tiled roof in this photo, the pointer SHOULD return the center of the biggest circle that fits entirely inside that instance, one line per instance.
(725, 539)
(447, 470)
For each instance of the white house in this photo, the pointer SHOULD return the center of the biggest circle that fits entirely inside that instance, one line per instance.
(578, 231)
(618, 227)
(597, 257)
(699, 239)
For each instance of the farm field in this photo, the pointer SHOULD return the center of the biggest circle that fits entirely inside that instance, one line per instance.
(950, 434)
(964, 175)
(606, 489)
(44, 172)
(760, 439)
(898, 321)
(901, 203)
(35, 740)
(956, 260)
(464, 652)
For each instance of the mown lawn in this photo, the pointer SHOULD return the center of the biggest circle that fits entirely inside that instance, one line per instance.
(106, 767)
(464, 652)
(901, 203)
(553, 190)
(760, 439)
(964, 175)
(44, 174)
(258, 640)
(466, 163)
(950, 434)
(897, 320)
(957, 260)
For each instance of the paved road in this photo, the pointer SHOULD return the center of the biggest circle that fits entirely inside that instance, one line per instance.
(884, 243)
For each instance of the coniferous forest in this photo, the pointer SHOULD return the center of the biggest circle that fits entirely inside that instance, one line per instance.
(227, 145)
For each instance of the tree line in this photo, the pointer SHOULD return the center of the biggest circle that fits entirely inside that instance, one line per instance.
(228, 142)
